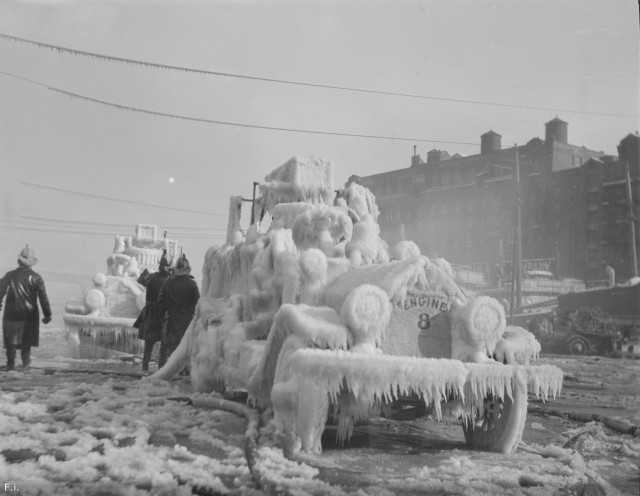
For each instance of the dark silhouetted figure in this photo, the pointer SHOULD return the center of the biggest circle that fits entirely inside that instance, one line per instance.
(177, 303)
(150, 323)
(20, 324)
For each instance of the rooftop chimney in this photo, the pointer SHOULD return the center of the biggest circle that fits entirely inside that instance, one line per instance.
(416, 159)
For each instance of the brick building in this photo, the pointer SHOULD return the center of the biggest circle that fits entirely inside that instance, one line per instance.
(574, 214)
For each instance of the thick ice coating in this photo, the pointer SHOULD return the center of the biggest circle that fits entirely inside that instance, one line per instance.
(313, 312)
(298, 180)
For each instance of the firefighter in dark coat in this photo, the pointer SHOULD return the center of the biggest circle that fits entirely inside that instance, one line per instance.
(20, 324)
(177, 302)
(150, 329)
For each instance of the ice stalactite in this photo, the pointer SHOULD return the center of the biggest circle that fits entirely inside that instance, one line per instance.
(544, 380)
(358, 384)
(97, 337)
(316, 326)
(486, 379)
(234, 233)
(206, 346)
(226, 270)
(349, 410)
(373, 379)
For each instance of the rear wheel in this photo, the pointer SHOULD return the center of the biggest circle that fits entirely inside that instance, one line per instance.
(499, 426)
(578, 346)
(407, 408)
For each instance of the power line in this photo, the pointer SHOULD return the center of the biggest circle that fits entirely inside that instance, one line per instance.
(25, 79)
(123, 60)
(111, 198)
(252, 126)
(48, 220)
(233, 124)
(18, 227)
(97, 229)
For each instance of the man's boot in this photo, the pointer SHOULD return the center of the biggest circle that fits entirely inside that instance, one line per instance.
(146, 356)
(11, 358)
(25, 354)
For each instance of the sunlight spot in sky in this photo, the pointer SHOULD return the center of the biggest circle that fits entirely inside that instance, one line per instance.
(172, 180)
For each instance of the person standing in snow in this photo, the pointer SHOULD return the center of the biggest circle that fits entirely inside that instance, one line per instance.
(498, 276)
(20, 323)
(177, 303)
(150, 323)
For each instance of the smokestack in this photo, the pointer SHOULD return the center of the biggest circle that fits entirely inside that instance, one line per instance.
(416, 159)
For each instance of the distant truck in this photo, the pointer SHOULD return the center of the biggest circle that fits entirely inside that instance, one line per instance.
(603, 321)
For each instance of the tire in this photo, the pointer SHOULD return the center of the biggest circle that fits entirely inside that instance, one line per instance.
(500, 426)
(578, 346)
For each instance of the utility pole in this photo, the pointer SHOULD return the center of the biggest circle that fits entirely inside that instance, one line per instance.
(632, 223)
(516, 276)
(253, 203)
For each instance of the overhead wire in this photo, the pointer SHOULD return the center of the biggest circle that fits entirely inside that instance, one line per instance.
(61, 230)
(252, 126)
(154, 65)
(47, 220)
(234, 124)
(100, 230)
(121, 200)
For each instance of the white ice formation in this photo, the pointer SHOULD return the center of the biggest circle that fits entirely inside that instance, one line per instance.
(133, 254)
(106, 313)
(312, 313)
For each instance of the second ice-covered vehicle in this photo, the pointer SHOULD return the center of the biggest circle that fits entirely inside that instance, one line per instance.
(315, 314)
(102, 321)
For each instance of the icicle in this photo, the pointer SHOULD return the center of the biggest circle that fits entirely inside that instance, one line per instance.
(369, 380)
(486, 379)
(544, 380)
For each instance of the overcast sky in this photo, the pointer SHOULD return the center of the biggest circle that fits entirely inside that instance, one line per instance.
(504, 65)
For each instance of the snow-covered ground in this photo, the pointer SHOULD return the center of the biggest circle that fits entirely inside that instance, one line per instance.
(92, 434)
(88, 433)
